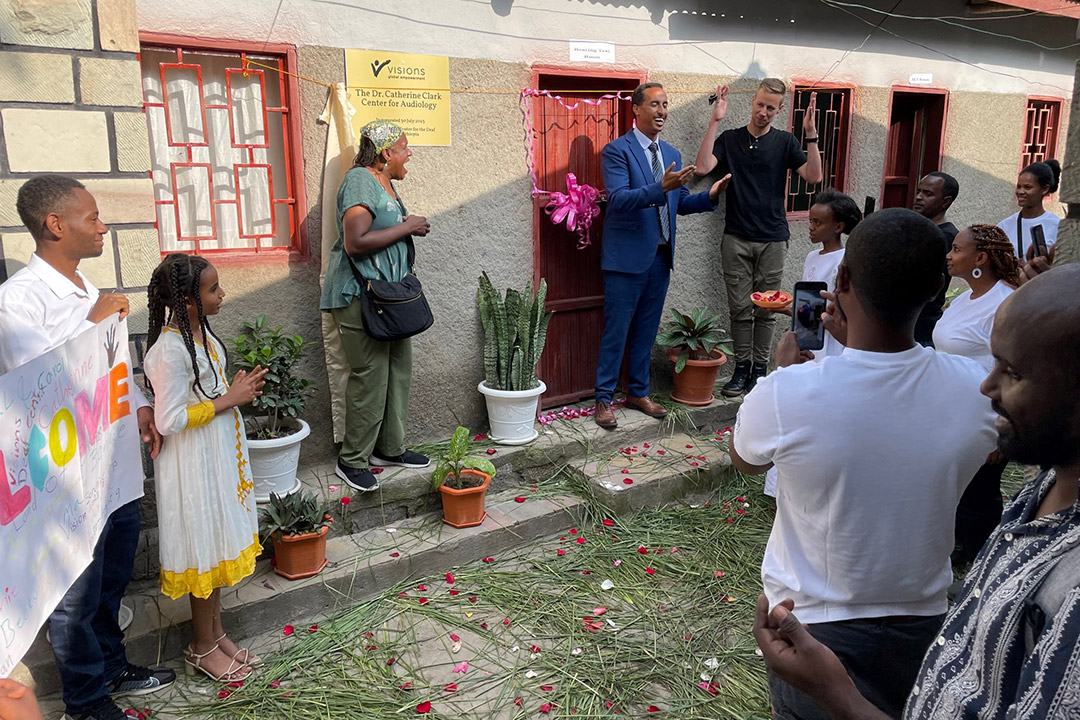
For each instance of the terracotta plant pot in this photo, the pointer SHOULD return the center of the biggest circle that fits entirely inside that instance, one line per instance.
(694, 385)
(300, 556)
(465, 508)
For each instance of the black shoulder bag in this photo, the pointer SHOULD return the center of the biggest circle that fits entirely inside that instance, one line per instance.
(393, 310)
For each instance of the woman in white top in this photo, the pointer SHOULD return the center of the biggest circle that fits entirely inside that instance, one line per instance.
(1037, 182)
(983, 256)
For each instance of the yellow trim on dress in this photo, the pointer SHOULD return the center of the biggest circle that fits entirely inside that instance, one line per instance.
(201, 414)
(228, 572)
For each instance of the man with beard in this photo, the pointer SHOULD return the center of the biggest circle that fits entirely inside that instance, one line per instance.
(1008, 646)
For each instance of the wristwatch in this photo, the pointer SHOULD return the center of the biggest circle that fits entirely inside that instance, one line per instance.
(810, 140)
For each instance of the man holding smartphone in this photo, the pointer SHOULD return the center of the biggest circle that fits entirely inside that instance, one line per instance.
(1008, 646)
(867, 489)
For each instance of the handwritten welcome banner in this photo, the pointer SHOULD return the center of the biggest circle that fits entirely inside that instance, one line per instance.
(69, 456)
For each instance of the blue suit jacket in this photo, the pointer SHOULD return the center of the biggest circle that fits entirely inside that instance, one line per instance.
(631, 228)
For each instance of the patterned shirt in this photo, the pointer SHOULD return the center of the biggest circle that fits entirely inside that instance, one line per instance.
(1009, 647)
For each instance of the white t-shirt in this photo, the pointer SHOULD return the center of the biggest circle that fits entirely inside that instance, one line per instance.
(964, 328)
(817, 268)
(873, 452)
(1048, 220)
(822, 268)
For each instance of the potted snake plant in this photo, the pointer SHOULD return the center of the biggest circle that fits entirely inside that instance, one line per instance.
(515, 330)
(696, 345)
(297, 524)
(462, 480)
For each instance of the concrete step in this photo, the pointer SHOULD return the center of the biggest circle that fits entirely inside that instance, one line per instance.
(395, 534)
(649, 473)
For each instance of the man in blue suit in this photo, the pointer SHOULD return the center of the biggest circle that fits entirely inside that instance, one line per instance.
(643, 201)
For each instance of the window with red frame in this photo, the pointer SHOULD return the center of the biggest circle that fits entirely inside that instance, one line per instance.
(1040, 130)
(834, 131)
(219, 145)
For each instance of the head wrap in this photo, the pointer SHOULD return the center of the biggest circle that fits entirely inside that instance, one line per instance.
(382, 133)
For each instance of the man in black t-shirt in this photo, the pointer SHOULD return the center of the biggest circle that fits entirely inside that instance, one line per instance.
(758, 156)
(935, 195)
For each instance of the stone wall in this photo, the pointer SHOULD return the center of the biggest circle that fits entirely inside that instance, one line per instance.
(71, 103)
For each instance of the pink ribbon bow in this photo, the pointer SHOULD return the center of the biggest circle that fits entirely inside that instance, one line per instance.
(577, 206)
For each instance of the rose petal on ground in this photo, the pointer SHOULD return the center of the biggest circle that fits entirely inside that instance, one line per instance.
(650, 571)
(313, 628)
(403, 594)
(450, 687)
(391, 661)
(455, 648)
(454, 638)
(617, 563)
(608, 522)
(423, 601)
(518, 701)
(472, 598)
(451, 592)
(462, 667)
(275, 684)
(224, 694)
(395, 554)
(489, 559)
(483, 626)
(643, 550)
(712, 663)
(424, 707)
(506, 621)
(561, 551)
(346, 500)
(547, 688)
(581, 541)
(376, 470)
(519, 499)
(422, 588)
(652, 708)
(607, 585)
(545, 708)
(405, 686)
(288, 629)
(530, 674)
(627, 481)
(490, 451)
(333, 488)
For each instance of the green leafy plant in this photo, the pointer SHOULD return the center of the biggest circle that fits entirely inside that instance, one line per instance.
(695, 336)
(515, 330)
(294, 514)
(455, 459)
(284, 394)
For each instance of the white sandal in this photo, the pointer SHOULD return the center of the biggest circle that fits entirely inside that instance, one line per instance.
(192, 662)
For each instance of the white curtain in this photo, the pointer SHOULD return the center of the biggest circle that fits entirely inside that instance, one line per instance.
(221, 166)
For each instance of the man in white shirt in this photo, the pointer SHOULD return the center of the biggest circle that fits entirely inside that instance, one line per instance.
(41, 307)
(870, 472)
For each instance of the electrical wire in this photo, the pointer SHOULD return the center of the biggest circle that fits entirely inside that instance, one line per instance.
(1066, 91)
(858, 47)
(890, 14)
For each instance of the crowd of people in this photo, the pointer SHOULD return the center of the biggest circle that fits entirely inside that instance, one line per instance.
(884, 450)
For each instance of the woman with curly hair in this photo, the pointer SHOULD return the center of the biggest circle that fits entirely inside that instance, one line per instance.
(983, 256)
(206, 510)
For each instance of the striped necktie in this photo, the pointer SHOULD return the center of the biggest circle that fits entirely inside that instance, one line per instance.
(658, 175)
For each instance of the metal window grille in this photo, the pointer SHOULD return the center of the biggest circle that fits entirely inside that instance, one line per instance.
(834, 131)
(219, 142)
(1040, 130)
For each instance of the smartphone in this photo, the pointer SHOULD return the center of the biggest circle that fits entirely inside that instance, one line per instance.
(806, 311)
(868, 206)
(1038, 241)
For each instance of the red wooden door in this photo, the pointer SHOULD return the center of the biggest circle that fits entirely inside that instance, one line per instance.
(914, 145)
(571, 141)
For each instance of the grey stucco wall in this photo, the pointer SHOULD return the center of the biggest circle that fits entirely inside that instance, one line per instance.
(476, 194)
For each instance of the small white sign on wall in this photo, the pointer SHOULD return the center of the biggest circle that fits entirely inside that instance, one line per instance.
(595, 52)
(921, 79)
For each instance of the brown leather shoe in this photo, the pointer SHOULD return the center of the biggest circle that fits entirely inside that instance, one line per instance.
(648, 406)
(604, 416)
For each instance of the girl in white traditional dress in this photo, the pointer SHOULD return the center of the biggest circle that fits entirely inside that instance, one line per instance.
(206, 512)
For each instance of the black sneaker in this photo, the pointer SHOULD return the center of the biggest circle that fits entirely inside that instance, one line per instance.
(138, 680)
(739, 379)
(106, 709)
(757, 371)
(360, 479)
(407, 459)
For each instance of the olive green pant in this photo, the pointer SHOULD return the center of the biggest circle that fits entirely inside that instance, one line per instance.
(751, 267)
(377, 394)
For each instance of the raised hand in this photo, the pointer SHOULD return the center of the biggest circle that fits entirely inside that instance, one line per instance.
(809, 122)
(107, 305)
(674, 179)
(720, 107)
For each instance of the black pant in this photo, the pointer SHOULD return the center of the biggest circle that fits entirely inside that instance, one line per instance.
(979, 512)
(882, 656)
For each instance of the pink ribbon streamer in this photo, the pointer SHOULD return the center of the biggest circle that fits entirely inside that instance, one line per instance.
(578, 205)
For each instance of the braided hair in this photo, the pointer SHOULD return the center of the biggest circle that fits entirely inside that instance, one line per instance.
(999, 250)
(175, 281)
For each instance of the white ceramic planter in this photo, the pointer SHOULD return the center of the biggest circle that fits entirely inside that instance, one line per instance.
(512, 413)
(274, 463)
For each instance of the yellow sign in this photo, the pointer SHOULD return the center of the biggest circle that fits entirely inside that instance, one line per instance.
(409, 90)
